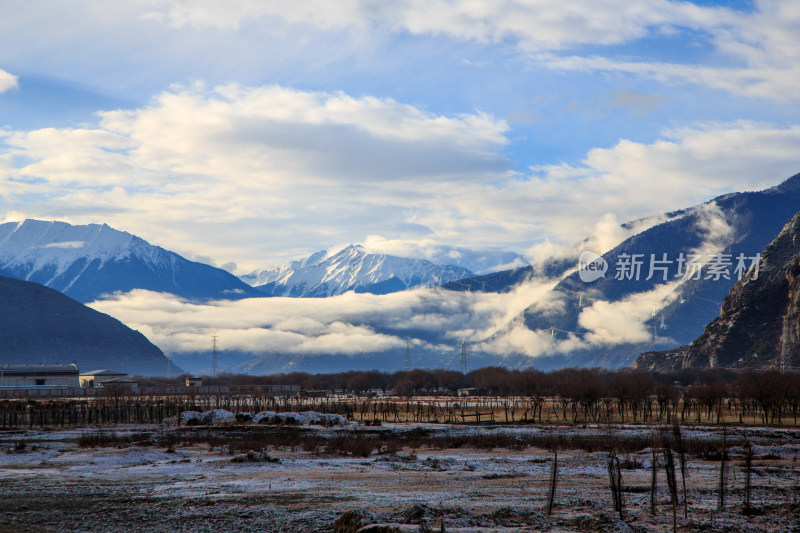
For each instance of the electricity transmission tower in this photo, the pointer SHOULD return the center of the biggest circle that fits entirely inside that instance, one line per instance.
(464, 357)
(408, 356)
(214, 355)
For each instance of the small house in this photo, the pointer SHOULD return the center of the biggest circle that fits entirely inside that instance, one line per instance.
(193, 382)
(472, 391)
(120, 386)
(96, 378)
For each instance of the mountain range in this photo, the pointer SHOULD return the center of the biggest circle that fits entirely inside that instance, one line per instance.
(41, 325)
(606, 321)
(677, 309)
(758, 322)
(669, 312)
(85, 262)
(352, 268)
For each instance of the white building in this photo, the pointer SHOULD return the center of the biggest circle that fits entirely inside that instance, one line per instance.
(39, 375)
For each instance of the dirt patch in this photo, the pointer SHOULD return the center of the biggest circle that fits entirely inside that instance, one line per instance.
(200, 487)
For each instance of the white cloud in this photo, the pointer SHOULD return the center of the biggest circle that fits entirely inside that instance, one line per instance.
(761, 49)
(763, 42)
(532, 24)
(607, 233)
(352, 323)
(209, 163)
(347, 324)
(612, 323)
(717, 233)
(262, 175)
(7, 81)
(478, 261)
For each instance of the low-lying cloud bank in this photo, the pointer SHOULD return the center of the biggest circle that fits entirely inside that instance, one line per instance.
(347, 324)
(351, 324)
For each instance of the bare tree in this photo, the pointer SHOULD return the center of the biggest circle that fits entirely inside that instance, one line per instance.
(551, 494)
(680, 447)
(723, 470)
(615, 484)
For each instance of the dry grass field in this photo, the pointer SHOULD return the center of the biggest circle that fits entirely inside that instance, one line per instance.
(406, 476)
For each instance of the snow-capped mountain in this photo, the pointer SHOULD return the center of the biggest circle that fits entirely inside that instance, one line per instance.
(85, 262)
(352, 268)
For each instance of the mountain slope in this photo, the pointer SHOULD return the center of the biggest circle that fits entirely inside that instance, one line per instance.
(85, 262)
(758, 322)
(352, 268)
(737, 223)
(38, 325)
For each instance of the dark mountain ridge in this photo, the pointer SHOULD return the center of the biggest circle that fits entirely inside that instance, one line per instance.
(758, 323)
(41, 325)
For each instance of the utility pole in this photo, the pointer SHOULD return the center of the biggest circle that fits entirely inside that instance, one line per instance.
(214, 355)
(783, 347)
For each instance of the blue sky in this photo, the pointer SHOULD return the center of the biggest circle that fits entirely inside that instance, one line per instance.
(255, 132)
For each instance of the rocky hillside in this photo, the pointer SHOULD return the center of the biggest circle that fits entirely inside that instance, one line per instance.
(758, 322)
(41, 325)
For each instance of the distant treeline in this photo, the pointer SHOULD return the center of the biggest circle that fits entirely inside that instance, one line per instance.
(584, 390)
(495, 380)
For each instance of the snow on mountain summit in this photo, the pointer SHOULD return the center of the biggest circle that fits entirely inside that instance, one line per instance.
(87, 261)
(53, 246)
(352, 268)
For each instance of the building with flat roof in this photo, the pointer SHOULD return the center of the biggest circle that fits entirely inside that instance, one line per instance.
(96, 378)
(39, 375)
(472, 391)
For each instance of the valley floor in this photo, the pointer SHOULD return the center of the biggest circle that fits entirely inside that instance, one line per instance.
(55, 481)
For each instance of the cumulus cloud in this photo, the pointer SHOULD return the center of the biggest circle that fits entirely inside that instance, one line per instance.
(607, 233)
(266, 174)
(7, 81)
(205, 161)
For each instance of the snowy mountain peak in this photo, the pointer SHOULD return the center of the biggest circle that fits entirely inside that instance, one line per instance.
(49, 246)
(351, 268)
(87, 261)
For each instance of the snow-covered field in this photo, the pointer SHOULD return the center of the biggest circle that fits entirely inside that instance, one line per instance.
(50, 483)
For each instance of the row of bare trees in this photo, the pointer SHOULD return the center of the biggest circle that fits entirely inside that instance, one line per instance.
(582, 394)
